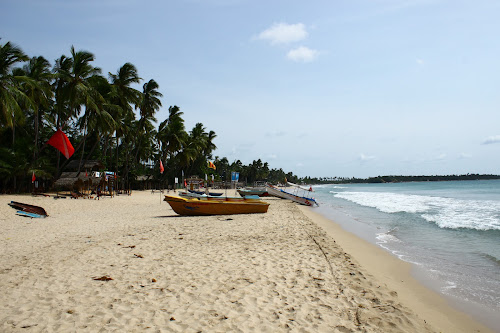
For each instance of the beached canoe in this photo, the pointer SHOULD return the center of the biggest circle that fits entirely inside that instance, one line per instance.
(199, 206)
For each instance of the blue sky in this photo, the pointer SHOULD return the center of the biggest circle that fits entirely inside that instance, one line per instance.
(320, 88)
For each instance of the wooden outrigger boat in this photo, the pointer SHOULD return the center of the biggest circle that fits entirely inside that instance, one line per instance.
(215, 194)
(189, 195)
(280, 193)
(216, 206)
(261, 192)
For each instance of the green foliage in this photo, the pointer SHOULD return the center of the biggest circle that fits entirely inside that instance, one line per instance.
(97, 114)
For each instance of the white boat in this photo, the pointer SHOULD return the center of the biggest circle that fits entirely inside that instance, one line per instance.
(310, 189)
(189, 195)
(280, 193)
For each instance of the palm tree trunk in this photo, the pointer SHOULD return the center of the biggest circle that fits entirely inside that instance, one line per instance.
(83, 149)
(35, 151)
(116, 165)
(105, 151)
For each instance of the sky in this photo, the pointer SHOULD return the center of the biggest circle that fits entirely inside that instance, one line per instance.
(321, 88)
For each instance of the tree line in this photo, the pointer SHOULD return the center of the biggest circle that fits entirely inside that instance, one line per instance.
(397, 179)
(106, 119)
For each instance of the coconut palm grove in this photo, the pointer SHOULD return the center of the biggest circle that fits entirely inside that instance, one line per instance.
(106, 119)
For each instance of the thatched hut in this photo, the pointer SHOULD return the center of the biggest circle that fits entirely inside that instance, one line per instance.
(88, 166)
(89, 176)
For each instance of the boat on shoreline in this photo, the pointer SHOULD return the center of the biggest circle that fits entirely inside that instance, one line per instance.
(280, 193)
(189, 195)
(261, 192)
(258, 188)
(216, 206)
(215, 194)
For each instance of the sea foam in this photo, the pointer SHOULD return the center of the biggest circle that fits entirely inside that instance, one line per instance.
(449, 213)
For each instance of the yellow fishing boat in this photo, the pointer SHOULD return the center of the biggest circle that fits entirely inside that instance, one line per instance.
(195, 206)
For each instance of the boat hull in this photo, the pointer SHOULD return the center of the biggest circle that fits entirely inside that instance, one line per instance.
(260, 193)
(213, 194)
(188, 195)
(274, 191)
(28, 208)
(195, 207)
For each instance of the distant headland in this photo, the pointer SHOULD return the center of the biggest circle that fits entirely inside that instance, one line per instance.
(397, 179)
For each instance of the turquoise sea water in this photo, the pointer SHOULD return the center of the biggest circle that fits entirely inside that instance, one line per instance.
(449, 231)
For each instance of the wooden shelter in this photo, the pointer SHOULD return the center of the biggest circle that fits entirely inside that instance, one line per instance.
(89, 177)
(194, 182)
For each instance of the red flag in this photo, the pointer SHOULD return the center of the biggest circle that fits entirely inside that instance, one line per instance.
(161, 167)
(33, 178)
(61, 142)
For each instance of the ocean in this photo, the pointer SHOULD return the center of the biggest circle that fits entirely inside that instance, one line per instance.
(449, 231)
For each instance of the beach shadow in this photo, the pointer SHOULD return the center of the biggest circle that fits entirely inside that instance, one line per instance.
(167, 216)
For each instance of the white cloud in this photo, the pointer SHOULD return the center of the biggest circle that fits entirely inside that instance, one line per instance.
(272, 156)
(275, 134)
(303, 54)
(464, 155)
(365, 158)
(420, 62)
(283, 33)
(491, 139)
(440, 157)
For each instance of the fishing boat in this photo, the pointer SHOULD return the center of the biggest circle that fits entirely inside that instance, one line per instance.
(216, 206)
(190, 195)
(280, 193)
(215, 194)
(261, 192)
(258, 188)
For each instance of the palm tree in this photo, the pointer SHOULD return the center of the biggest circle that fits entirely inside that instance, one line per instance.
(124, 96)
(61, 70)
(149, 104)
(121, 91)
(172, 137)
(99, 121)
(74, 89)
(210, 146)
(73, 74)
(171, 132)
(11, 96)
(39, 90)
(197, 143)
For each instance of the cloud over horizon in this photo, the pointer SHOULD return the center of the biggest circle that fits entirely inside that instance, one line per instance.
(491, 139)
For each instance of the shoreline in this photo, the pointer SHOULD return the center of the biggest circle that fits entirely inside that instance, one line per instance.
(130, 263)
(397, 274)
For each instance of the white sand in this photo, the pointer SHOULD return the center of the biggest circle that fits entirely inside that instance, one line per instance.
(273, 272)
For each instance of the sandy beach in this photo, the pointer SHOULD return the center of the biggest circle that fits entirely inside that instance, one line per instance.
(130, 264)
